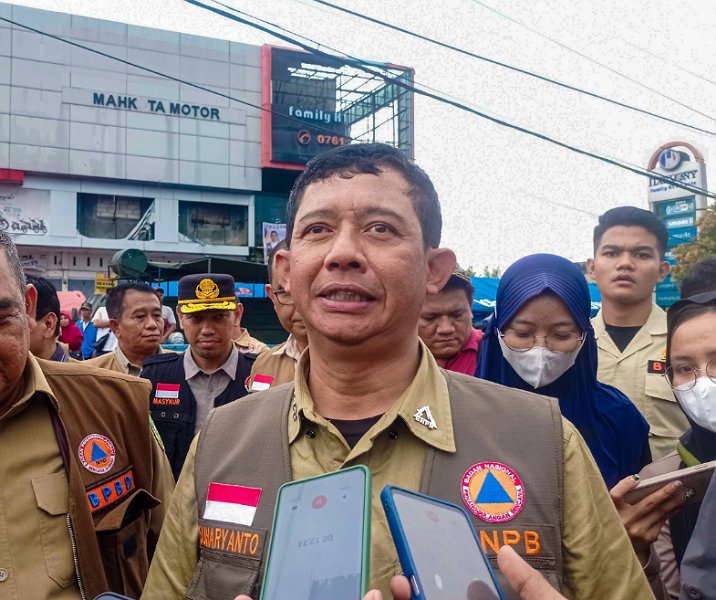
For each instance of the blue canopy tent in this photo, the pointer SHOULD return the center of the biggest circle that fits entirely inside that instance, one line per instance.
(483, 302)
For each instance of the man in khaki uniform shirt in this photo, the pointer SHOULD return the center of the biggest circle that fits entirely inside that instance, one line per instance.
(246, 343)
(46, 496)
(360, 265)
(278, 365)
(629, 246)
(135, 317)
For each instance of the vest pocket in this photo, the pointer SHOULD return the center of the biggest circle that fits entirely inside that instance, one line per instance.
(230, 559)
(52, 496)
(122, 537)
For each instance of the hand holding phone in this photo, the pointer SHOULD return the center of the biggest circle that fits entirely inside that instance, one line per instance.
(438, 548)
(320, 539)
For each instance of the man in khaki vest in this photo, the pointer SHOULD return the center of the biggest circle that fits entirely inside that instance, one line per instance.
(363, 229)
(278, 365)
(135, 317)
(82, 481)
(629, 246)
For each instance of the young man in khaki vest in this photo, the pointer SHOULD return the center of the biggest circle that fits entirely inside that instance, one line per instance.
(629, 247)
(363, 229)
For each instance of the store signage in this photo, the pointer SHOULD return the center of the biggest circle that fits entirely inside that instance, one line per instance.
(676, 207)
(152, 105)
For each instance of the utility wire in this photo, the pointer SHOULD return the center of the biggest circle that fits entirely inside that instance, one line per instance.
(592, 60)
(668, 62)
(400, 83)
(170, 77)
(512, 67)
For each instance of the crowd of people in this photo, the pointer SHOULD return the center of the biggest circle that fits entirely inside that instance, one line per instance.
(110, 442)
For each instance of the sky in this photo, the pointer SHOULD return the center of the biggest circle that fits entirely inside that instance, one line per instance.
(505, 194)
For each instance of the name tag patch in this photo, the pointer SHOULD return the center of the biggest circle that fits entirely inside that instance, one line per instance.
(166, 394)
(231, 540)
(656, 366)
(109, 492)
(525, 542)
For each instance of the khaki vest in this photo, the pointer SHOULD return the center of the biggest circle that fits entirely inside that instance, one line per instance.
(113, 541)
(244, 446)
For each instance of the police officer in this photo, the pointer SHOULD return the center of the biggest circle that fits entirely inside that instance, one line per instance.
(212, 372)
(363, 228)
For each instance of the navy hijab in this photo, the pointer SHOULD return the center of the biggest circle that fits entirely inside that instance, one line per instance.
(613, 428)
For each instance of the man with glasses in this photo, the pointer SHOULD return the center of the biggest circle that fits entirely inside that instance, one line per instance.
(278, 365)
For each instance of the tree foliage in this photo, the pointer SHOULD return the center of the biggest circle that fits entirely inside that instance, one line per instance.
(705, 243)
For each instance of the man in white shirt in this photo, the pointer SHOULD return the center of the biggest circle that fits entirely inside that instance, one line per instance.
(170, 322)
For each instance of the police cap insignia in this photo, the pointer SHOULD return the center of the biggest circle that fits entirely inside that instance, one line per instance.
(493, 492)
(206, 291)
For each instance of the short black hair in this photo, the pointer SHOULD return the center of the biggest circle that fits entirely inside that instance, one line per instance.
(115, 297)
(458, 283)
(700, 278)
(371, 159)
(631, 216)
(282, 245)
(47, 299)
(157, 290)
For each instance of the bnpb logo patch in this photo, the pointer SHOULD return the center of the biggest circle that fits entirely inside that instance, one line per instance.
(97, 453)
(493, 492)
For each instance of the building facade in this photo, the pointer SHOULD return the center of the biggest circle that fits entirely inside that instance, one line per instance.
(114, 136)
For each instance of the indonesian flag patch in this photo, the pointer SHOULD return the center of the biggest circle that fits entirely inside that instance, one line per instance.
(232, 503)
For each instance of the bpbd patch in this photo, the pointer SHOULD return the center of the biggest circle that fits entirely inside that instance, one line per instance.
(97, 453)
(493, 492)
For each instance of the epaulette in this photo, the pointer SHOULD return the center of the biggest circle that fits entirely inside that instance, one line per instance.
(161, 358)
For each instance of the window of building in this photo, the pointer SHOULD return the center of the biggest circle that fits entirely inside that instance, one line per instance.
(115, 217)
(216, 224)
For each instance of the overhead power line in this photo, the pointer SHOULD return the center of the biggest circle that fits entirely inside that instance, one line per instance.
(402, 84)
(592, 60)
(170, 77)
(512, 67)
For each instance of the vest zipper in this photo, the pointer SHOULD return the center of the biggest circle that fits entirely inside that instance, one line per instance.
(75, 559)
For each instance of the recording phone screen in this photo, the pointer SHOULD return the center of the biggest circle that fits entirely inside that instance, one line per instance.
(445, 552)
(317, 540)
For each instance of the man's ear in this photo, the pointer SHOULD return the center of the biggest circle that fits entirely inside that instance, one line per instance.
(282, 269)
(31, 301)
(664, 270)
(239, 312)
(441, 264)
(50, 323)
(590, 267)
(114, 326)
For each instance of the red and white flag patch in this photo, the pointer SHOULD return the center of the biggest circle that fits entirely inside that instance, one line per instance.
(261, 382)
(232, 503)
(166, 394)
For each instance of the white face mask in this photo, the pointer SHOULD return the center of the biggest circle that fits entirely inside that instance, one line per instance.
(539, 366)
(699, 403)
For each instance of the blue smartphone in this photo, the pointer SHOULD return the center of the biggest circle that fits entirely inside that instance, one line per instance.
(320, 539)
(438, 548)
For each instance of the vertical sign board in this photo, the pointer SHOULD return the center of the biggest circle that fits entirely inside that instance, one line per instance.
(679, 209)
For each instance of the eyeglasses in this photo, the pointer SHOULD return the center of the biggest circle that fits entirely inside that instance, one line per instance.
(283, 297)
(522, 341)
(683, 377)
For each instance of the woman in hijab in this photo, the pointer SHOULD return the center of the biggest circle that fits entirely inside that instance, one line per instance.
(691, 372)
(71, 335)
(541, 339)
